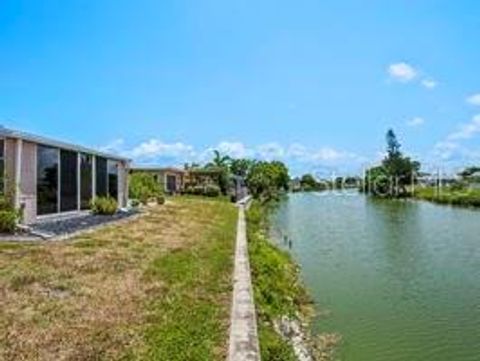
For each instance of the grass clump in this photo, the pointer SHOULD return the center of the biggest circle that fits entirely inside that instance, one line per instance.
(278, 291)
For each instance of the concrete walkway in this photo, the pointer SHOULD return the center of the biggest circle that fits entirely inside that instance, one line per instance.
(244, 344)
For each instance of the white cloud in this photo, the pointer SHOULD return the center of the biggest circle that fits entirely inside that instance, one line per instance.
(298, 156)
(415, 122)
(429, 83)
(474, 99)
(406, 73)
(234, 149)
(466, 131)
(154, 148)
(445, 150)
(402, 72)
(115, 146)
(270, 151)
(452, 149)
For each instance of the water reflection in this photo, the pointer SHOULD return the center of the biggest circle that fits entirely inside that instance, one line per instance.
(399, 277)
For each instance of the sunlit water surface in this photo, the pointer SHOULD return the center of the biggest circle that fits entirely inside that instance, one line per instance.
(400, 279)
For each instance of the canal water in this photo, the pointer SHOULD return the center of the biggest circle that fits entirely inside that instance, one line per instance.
(398, 280)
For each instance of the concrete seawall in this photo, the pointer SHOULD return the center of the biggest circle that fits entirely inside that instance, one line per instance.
(244, 345)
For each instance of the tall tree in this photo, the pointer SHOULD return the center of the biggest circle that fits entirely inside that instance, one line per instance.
(395, 174)
(241, 167)
(219, 160)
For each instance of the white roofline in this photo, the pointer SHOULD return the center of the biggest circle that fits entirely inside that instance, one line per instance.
(10, 133)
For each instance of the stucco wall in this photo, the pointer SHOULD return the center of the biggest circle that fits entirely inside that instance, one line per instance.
(10, 156)
(28, 184)
(122, 184)
(26, 190)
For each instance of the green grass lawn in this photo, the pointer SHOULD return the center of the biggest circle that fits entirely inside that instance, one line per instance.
(456, 197)
(156, 288)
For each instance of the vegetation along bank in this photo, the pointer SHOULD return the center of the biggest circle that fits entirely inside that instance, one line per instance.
(283, 305)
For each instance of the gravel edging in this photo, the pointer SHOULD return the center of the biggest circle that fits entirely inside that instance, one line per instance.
(43, 231)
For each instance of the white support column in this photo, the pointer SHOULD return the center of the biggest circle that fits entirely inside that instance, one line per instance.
(79, 180)
(18, 171)
(126, 175)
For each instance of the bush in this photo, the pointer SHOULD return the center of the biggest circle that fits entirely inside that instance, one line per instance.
(209, 190)
(8, 221)
(9, 216)
(160, 199)
(198, 190)
(134, 203)
(212, 191)
(104, 206)
(143, 187)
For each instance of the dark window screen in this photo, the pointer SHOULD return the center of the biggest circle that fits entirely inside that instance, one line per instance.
(47, 180)
(85, 181)
(2, 166)
(101, 177)
(69, 181)
(113, 179)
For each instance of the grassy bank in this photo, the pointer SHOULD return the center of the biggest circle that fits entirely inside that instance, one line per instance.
(158, 288)
(449, 196)
(278, 291)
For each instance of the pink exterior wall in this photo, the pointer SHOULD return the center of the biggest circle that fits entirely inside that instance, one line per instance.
(122, 184)
(10, 157)
(26, 191)
(28, 184)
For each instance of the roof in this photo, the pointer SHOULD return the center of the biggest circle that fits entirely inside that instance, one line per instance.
(10, 133)
(147, 168)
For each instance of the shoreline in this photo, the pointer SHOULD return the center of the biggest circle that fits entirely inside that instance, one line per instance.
(285, 308)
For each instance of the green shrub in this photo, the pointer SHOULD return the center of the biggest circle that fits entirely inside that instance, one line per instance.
(143, 186)
(8, 221)
(212, 191)
(9, 216)
(104, 206)
(135, 203)
(160, 199)
(209, 190)
(198, 190)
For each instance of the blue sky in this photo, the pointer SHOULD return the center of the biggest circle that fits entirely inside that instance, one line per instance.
(314, 83)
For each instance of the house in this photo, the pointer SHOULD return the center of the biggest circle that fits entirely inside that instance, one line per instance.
(202, 177)
(170, 179)
(474, 180)
(45, 177)
(175, 180)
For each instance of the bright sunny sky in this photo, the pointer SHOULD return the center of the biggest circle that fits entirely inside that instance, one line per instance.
(313, 83)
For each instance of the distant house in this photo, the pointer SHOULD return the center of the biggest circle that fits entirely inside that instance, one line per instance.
(174, 180)
(474, 180)
(45, 177)
(170, 179)
(202, 176)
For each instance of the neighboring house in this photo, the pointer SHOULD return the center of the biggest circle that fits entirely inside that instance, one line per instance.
(202, 177)
(45, 177)
(474, 180)
(170, 179)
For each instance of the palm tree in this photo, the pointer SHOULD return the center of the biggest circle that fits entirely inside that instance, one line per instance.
(219, 160)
